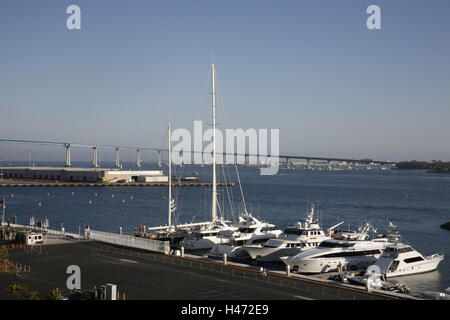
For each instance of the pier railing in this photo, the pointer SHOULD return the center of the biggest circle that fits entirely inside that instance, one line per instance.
(129, 241)
(59, 233)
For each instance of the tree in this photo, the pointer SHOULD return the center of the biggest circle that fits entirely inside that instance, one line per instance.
(21, 291)
(56, 294)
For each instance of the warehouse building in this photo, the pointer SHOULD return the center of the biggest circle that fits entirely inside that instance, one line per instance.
(81, 174)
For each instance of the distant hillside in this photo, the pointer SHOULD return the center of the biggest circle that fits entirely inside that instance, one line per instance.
(433, 166)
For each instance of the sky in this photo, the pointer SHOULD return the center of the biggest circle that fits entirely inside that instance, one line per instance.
(311, 69)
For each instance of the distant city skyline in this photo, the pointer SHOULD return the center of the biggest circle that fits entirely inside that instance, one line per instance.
(311, 69)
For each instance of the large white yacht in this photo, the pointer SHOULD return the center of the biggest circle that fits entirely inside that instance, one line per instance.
(351, 251)
(400, 259)
(249, 231)
(299, 237)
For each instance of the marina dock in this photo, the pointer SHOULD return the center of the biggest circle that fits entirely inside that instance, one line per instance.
(147, 275)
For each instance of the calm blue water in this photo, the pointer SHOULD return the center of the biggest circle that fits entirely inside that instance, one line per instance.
(416, 201)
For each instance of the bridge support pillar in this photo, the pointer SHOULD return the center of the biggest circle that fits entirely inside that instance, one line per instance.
(117, 158)
(67, 155)
(159, 158)
(95, 160)
(138, 158)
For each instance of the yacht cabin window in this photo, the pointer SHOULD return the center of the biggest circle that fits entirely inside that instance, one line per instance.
(246, 230)
(326, 244)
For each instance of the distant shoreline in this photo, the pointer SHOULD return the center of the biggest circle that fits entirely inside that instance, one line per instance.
(431, 167)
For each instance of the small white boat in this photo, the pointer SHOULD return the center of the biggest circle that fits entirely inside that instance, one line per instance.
(375, 280)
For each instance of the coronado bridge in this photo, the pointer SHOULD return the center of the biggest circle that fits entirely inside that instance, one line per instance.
(247, 156)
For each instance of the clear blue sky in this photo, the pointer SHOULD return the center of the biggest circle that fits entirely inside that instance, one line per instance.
(310, 68)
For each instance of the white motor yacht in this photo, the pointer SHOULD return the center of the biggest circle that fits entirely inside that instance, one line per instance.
(400, 259)
(249, 231)
(351, 251)
(300, 237)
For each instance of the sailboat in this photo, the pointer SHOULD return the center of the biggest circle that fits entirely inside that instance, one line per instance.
(207, 235)
(171, 232)
(250, 231)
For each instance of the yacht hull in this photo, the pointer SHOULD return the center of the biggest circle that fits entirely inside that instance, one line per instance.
(321, 265)
(269, 254)
(232, 252)
(202, 244)
(428, 265)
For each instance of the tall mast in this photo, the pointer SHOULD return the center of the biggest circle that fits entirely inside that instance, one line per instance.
(214, 192)
(170, 183)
